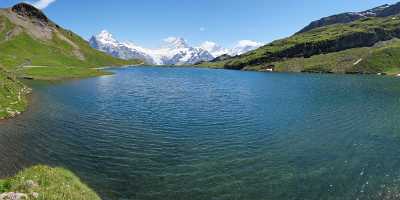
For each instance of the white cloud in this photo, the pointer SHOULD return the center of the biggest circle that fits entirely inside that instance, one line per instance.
(42, 4)
(241, 47)
(244, 43)
(213, 48)
(244, 46)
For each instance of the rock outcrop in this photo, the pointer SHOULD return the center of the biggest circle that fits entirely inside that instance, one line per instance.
(27, 10)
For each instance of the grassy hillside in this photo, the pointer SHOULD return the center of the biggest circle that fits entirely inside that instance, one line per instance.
(29, 39)
(384, 57)
(23, 49)
(45, 183)
(351, 47)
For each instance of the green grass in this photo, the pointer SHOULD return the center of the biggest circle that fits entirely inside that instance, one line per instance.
(384, 57)
(338, 62)
(60, 73)
(24, 49)
(12, 95)
(317, 43)
(65, 60)
(52, 184)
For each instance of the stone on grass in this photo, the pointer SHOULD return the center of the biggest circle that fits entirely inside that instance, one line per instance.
(13, 196)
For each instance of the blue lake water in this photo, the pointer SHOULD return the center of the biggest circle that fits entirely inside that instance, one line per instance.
(184, 133)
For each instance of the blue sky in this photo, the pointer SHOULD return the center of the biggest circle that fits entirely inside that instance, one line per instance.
(147, 22)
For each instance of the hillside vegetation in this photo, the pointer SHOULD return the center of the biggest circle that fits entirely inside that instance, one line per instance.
(28, 37)
(368, 45)
(32, 46)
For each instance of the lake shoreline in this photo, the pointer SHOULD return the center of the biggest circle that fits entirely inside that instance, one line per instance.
(213, 125)
(103, 72)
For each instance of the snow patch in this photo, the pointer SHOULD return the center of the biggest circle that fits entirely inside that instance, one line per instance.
(174, 51)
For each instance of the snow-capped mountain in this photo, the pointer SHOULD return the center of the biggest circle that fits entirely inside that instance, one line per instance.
(106, 43)
(243, 46)
(174, 51)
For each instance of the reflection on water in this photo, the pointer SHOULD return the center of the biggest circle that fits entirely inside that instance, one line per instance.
(156, 133)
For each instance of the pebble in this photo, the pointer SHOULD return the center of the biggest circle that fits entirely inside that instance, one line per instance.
(35, 195)
(31, 184)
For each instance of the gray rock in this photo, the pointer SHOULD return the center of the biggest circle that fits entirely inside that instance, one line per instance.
(13, 196)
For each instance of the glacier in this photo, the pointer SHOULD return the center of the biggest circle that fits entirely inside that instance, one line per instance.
(174, 51)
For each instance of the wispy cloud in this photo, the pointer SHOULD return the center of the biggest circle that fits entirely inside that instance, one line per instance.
(202, 29)
(42, 4)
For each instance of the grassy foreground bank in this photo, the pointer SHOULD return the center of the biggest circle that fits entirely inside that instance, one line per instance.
(12, 95)
(46, 183)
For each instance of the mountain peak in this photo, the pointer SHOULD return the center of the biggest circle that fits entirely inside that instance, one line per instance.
(176, 42)
(27, 10)
(106, 37)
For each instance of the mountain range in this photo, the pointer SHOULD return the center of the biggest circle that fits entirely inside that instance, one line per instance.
(174, 51)
(353, 42)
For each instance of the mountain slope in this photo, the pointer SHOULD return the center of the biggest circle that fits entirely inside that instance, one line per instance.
(381, 11)
(332, 42)
(28, 37)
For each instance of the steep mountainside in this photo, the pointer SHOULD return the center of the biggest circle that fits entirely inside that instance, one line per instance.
(28, 37)
(354, 46)
(33, 46)
(381, 11)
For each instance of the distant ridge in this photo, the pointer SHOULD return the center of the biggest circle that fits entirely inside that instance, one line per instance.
(380, 11)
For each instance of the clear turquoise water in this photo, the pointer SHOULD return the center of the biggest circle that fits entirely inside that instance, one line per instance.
(182, 133)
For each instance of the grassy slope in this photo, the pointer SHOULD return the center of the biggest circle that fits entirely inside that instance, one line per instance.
(384, 57)
(23, 48)
(57, 54)
(52, 184)
(325, 62)
(59, 73)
